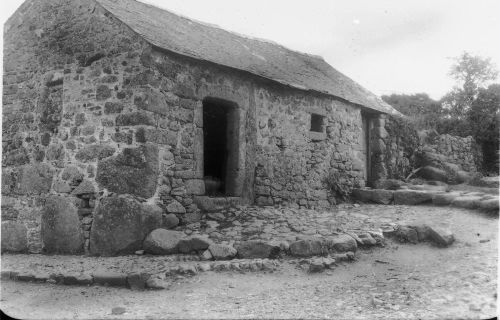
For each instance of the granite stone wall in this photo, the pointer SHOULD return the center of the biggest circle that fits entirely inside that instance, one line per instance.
(462, 151)
(67, 112)
(398, 148)
(91, 113)
(403, 146)
(295, 164)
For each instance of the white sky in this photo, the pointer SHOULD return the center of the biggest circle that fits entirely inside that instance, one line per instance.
(388, 46)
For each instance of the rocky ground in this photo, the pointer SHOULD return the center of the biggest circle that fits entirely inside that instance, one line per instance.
(395, 281)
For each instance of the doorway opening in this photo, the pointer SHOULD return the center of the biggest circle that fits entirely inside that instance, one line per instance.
(366, 128)
(220, 147)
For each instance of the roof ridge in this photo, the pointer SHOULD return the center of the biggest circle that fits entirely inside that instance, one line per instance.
(216, 26)
(208, 42)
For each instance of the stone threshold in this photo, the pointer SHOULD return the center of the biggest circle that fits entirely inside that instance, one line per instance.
(214, 204)
(459, 199)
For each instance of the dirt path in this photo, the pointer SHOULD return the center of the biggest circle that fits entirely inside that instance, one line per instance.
(398, 281)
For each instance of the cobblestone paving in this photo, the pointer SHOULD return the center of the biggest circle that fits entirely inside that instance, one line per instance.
(396, 281)
(249, 223)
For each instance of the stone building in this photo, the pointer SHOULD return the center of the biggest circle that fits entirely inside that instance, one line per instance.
(117, 114)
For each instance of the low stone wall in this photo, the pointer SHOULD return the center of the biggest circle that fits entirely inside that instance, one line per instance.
(397, 149)
(458, 150)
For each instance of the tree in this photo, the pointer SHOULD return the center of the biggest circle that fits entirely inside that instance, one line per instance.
(423, 110)
(484, 116)
(471, 73)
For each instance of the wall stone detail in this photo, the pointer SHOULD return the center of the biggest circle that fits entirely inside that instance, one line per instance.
(120, 225)
(60, 228)
(14, 237)
(397, 158)
(134, 171)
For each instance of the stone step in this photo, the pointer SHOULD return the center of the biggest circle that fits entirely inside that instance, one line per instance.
(214, 204)
(460, 199)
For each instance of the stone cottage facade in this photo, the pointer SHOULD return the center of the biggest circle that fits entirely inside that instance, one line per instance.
(118, 115)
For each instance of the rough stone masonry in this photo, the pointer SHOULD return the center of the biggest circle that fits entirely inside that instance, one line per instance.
(103, 132)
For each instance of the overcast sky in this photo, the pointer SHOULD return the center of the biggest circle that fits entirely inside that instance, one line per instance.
(388, 46)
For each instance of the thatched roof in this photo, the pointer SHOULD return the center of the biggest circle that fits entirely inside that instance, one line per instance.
(263, 58)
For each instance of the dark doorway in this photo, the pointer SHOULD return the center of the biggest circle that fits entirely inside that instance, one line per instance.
(220, 146)
(366, 145)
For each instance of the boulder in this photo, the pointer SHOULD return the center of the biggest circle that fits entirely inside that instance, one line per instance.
(359, 242)
(388, 184)
(488, 204)
(253, 249)
(405, 233)
(441, 236)
(411, 197)
(306, 248)
(316, 265)
(170, 221)
(163, 241)
(444, 199)
(134, 171)
(366, 240)
(374, 195)
(329, 262)
(462, 176)
(60, 230)
(363, 195)
(429, 158)
(382, 196)
(194, 243)
(423, 231)
(206, 255)
(14, 237)
(137, 281)
(222, 251)
(120, 225)
(466, 201)
(378, 236)
(433, 173)
(489, 182)
(192, 217)
(176, 207)
(347, 256)
(342, 243)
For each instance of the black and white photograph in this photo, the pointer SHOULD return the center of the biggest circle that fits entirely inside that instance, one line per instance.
(264, 159)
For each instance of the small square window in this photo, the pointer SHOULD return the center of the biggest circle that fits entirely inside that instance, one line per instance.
(317, 122)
